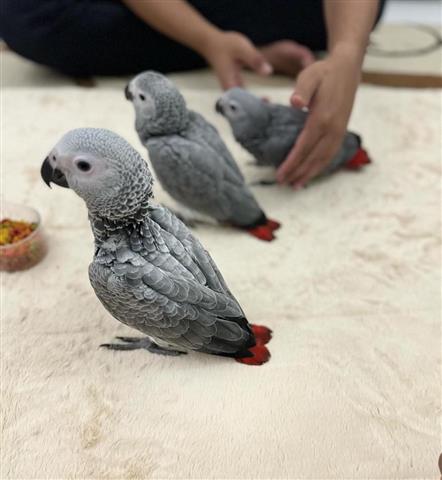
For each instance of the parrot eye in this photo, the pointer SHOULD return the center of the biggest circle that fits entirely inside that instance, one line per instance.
(233, 107)
(83, 166)
(142, 97)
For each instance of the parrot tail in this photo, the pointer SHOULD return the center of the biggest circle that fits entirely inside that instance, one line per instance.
(262, 334)
(273, 225)
(260, 355)
(359, 159)
(265, 231)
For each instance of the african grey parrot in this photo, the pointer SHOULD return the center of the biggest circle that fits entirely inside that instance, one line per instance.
(190, 159)
(268, 130)
(148, 270)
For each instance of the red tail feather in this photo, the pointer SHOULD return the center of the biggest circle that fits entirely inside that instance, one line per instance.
(359, 159)
(263, 232)
(260, 355)
(273, 225)
(262, 334)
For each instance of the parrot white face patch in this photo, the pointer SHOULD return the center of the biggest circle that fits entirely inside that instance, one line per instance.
(143, 102)
(144, 105)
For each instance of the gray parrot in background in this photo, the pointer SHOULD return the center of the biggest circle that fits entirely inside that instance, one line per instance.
(148, 270)
(190, 159)
(268, 130)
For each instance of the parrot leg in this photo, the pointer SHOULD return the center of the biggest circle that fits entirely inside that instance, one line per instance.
(136, 343)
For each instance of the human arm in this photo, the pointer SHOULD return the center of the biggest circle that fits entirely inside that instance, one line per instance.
(226, 52)
(328, 88)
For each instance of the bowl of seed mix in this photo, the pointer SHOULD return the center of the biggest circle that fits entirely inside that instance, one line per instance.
(22, 241)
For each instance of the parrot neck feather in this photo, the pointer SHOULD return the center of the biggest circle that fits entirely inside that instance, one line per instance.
(104, 227)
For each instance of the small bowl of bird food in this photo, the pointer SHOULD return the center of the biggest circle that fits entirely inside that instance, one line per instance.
(22, 241)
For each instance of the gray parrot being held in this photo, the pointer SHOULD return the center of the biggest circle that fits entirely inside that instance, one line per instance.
(190, 159)
(148, 270)
(268, 130)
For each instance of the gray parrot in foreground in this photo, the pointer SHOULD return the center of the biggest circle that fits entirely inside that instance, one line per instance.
(268, 130)
(190, 159)
(148, 270)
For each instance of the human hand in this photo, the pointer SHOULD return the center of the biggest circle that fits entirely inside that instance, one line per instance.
(327, 88)
(228, 53)
(287, 57)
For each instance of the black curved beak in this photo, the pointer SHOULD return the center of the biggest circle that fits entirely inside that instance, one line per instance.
(219, 107)
(49, 174)
(127, 93)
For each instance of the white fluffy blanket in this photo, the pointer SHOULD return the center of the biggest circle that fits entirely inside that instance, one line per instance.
(351, 289)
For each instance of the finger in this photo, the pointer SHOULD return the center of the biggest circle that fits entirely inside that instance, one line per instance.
(313, 171)
(295, 176)
(303, 54)
(304, 145)
(229, 76)
(255, 60)
(306, 85)
(318, 159)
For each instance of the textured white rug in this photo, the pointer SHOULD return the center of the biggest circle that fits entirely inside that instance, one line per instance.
(351, 289)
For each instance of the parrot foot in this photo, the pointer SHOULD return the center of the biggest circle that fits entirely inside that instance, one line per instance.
(136, 343)
(263, 183)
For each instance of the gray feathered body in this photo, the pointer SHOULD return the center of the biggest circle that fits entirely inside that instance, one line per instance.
(148, 270)
(268, 131)
(195, 167)
(190, 159)
(153, 275)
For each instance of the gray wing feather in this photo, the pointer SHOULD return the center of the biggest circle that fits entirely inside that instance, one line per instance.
(191, 249)
(212, 137)
(179, 297)
(200, 179)
(284, 127)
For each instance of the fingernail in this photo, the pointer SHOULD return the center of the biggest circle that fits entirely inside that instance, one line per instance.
(266, 69)
(297, 101)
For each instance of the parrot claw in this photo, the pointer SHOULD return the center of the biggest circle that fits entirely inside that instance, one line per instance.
(136, 343)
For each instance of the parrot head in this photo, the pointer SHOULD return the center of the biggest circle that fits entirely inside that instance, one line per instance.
(245, 112)
(103, 169)
(160, 108)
